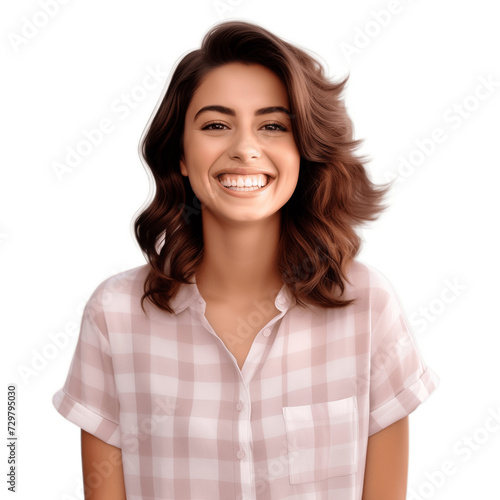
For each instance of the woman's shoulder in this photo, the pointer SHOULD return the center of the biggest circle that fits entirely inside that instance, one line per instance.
(120, 292)
(367, 281)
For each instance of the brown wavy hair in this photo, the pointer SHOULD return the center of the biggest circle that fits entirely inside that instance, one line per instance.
(333, 193)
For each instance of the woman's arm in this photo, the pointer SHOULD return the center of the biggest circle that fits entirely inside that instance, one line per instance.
(102, 469)
(386, 473)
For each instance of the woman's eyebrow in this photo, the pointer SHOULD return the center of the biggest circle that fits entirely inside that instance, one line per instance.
(232, 112)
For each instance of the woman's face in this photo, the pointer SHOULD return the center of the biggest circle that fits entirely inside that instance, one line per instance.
(239, 151)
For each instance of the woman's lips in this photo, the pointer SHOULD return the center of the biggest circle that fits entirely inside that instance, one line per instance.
(239, 182)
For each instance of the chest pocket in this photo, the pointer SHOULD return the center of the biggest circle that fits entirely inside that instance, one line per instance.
(322, 440)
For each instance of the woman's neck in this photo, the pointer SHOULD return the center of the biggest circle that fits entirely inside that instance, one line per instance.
(240, 260)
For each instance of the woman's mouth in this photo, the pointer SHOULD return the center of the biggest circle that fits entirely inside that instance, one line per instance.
(247, 182)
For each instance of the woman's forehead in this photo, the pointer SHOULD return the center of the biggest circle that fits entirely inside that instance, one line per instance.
(240, 85)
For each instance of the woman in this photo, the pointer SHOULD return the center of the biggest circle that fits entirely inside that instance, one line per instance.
(253, 356)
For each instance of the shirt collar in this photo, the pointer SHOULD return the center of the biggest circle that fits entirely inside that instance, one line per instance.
(188, 295)
(285, 298)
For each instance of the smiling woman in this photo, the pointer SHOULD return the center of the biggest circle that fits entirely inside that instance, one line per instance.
(253, 355)
(331, 179)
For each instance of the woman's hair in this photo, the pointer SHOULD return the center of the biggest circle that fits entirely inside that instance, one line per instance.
(333, 193)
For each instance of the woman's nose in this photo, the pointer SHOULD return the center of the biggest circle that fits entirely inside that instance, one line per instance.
(244, 148)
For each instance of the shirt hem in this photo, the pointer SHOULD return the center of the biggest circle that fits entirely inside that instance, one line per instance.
(91, 422)
(403, 403)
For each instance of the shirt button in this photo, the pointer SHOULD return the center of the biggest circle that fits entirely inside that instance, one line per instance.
(239, 406)
(281, 299)
(240, 454)
(266, 332)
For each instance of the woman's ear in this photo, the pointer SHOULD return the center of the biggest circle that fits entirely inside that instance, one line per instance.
(183, 167)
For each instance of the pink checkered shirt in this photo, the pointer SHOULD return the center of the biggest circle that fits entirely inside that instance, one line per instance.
(293, 423)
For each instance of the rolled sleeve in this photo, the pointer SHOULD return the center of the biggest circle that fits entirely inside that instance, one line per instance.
(89, 397)
(400, 379)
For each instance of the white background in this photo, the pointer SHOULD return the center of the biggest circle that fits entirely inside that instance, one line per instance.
(61, 236)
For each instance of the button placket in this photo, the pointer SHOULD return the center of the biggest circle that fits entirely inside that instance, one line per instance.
(242, 451)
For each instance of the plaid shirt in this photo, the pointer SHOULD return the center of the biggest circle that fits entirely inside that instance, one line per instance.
(293, 423)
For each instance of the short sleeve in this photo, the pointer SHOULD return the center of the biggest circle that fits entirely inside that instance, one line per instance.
(399, 378)
(88, 397)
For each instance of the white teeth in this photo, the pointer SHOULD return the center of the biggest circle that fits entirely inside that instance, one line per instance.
(253, 188)
(243, 182)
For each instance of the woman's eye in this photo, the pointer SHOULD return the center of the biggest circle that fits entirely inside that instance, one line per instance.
(214, 126)
(275, 127)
